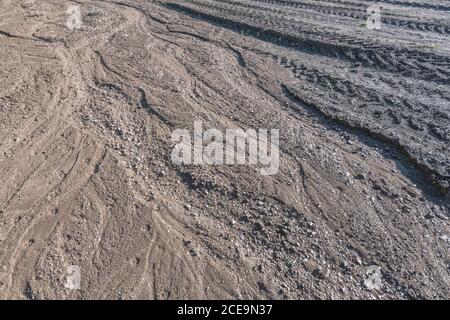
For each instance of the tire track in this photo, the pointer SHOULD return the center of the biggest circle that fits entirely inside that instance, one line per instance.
(408, 62)
(359, 14)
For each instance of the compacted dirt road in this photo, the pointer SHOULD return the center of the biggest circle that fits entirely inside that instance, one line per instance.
(358, 209)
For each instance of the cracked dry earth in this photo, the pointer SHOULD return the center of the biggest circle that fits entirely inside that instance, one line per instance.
(86, 178)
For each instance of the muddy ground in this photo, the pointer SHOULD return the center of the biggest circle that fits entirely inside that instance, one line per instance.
(358, 209)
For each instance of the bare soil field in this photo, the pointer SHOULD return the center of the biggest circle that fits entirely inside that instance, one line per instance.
(359, 208)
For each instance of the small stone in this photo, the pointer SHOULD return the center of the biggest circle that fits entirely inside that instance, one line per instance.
(443, 187)
(360, 176)
(373, 279)
(344, 265)
(262, 286)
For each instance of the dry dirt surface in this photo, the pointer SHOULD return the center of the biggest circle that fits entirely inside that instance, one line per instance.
(358, 209)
